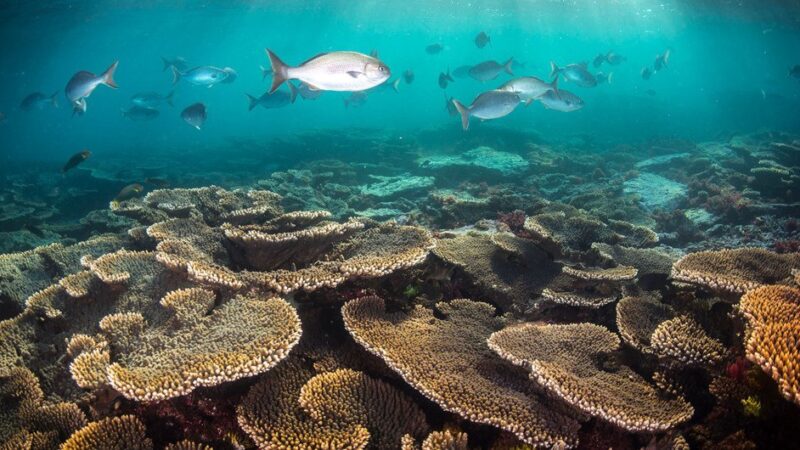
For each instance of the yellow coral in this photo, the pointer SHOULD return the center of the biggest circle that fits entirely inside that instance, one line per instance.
(115, 433)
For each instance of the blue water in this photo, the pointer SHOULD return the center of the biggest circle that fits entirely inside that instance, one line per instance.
(728, 69)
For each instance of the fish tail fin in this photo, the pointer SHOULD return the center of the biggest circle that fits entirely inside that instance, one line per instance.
(265, 71)
(176, 75)
(279, 71)
(554, 86)
(464, 111)
(396, 85)
(252, 102)
(666, 56)
(610, 77)
(169, 96)
(554, 70)
(166, 63)
(54, 99)
(108, 75)
(292, 92)
(447, 75)
(507, 66)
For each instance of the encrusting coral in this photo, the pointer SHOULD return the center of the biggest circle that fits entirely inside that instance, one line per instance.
(735, 271)
(683, 341)
(448, 361)
(567, 360)
(773, 335)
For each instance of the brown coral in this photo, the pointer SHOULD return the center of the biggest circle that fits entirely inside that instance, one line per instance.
(735, 271)
(638, 318)
(683, 341)
(448, 361)
(773, 335)
(577, 299)
(437, 440)
(565, 360)
(114, 433)
(619, 273)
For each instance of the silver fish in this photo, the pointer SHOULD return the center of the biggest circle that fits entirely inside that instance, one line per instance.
(488, 105)
(434, 49)
(265, 72)
(577, 73)
(195, 115)
(140, 113)
(462, 71)
(489, 70)
(615, 59)
(482, 39)
(152, 99)
(334, 71)
(277, 99)
(38, 100)
(564, 101)
(529, 88)
(83, 83)
(177, 62)
(200, 76)
(661, 60)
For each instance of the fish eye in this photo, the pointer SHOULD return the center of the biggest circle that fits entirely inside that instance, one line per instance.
(382, 69)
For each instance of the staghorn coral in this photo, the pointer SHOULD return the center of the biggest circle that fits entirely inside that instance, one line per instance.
(114, 433)
(448, 361)
(566, 360)
(735, 271)
(684, 342)
(773, 333)
(638, 318)
(346, 396)
(272, 417)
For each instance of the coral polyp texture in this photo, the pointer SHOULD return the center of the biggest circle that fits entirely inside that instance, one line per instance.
(448, 361)
(773, 335)
(683, 341)
(567, 360)
(438, 440)
(113, 433)
(638, 317)
(735, 271)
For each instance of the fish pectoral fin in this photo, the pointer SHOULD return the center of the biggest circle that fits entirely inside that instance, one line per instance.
(354, 73)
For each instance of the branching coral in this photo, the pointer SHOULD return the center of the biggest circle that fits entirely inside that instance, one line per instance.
(683, 341)
(449, 362)
(638, 318)
(735, 271)
(437, 440)
(114, 433)
(773, 335)
(566, 360)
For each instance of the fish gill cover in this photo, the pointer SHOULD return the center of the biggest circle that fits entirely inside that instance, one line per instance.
(399, 224)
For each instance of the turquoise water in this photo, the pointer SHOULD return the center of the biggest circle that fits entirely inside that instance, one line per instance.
(728, 68)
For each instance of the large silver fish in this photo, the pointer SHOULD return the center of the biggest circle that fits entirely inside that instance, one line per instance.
(38, 100)
(201, 76)
(564, 101)
(489, 70)
(152, 99)
(83, 83)
(334, 71)
(277, 99)
(195, 115)
(488, 105)
(529, 88)
(577, 73)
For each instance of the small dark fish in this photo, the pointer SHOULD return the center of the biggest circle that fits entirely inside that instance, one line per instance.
(489, 70)
(308, 93)
(482, 39)
(277, 99)
(83, 83)
(128, 192)
(38, 100)
(661, 60)
(615, 59)
(434, 49)
(488, 105)
(195, 115)
(599, 60)
(451, 107)
(76, 159)
(576, 73)
(445, 78)
(356, 99)
(462, 71)
(603, 78)
(152, 99)
(650, 92)
(177, 62)
(408, 76)
(140, 113)
(156, 182)
(646, 73)
(564, 101)
(795, 71)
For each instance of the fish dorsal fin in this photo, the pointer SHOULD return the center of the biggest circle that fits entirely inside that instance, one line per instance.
(312, 58)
